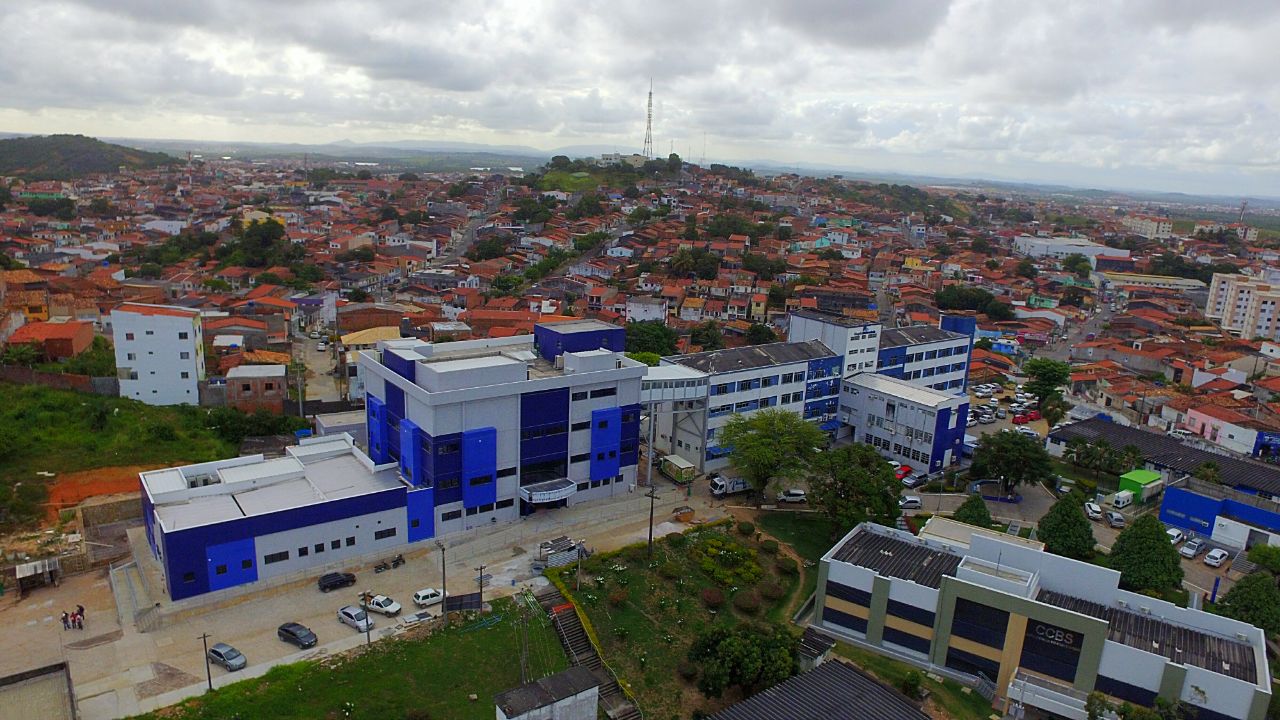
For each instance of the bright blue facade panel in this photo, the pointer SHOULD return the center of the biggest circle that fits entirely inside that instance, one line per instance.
(542, 415)
(406, 369)
(1189, 511)
(395, 413)
(420, 507)
(606, 441)
(231, 563)
(629, 447)
(376, 412)
(411, 463)
(551, 342)
(444, 467)
(479, 467)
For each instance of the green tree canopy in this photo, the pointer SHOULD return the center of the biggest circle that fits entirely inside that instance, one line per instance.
(853, 483)
(708, 336)
(1078, 264)
(752, 657)
(1012, 458)
(1254, 599)
(1027, 268)
(1045, 376)
(1145, 557)
(771, 444)
(651, 336)
(760, 334)
(648, 358)
(973, 511)
(357, 295)
(1065, 530)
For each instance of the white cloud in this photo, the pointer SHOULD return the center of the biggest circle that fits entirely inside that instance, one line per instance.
(1181, 94)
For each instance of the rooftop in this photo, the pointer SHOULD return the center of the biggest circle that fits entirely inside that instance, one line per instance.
(915, 335)
(834, 690)
(252, 371)
(165, 310)
(541, 693)
(901, 389)
(893, 557)
(756, 356)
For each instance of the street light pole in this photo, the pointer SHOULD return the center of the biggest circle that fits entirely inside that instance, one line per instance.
(652, 495)
(368, 621)
(444, 586)
(208, 674)
(480, 581)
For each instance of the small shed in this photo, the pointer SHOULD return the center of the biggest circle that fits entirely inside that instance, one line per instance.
(1144, 484)
(569, 695)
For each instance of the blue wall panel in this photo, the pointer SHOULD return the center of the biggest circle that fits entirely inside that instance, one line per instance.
(445, 468)
(149, 520)
(420, 507)
(606, 439)
(230, 559)
(552, 342)
(1250, 515)
(479, 466)
(376, 412)
(395, 413)
(540, 412)
(629, 453)
(411, 463)
(406, 369)
(1189, 511)
(186, 551)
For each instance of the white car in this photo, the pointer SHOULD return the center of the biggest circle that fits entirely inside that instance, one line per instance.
(1216, 557)
(894, 464)
(1028, 432)
(791, 496)
(1193, 547)
(1093, 511)
(910, 502)
(322, 346)
(1175, 535)
(384, 605)
(356, 618)
(426, 597)
(972, 422)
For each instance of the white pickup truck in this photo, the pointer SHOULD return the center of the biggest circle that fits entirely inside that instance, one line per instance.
(382, 604)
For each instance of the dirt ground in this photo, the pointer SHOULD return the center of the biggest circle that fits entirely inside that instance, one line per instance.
(70, 489)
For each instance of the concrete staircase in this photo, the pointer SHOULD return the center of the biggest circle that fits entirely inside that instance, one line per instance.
(580, 651)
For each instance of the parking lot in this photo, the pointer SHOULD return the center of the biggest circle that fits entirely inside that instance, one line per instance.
(1004, 399)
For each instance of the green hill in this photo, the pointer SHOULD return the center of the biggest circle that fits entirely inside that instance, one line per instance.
(60, 157)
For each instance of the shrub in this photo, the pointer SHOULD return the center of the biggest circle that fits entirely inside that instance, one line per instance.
(747, 602)
(416, 714)
(769, 546)
(677, 540)
(669, 570)
(635, 553)
(746, 528)
(712, 598)
(688, 670)
(617, 597)
(771, 590)
(910, 685)
(162, 433)
(788, 566)
(621, 632)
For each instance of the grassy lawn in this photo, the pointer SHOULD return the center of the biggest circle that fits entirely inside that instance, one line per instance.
(567, 181)
(948, 694)
(1106, 481)
(433, 674)
(809, 534)
(645, 614)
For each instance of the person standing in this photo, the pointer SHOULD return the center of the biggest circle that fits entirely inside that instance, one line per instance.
(80, 611)
(66, 620)
(79, 621)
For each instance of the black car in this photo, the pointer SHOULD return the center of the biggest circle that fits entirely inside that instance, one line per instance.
(334, 581)
(297, 634)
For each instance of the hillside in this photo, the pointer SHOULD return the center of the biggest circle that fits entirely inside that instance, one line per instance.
(59, 157)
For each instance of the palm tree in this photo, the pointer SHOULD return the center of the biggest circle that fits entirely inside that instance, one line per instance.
(1209, 472)
(1076, 451)
(24, 354)
(1130, 457)
(683, 262)
(1097, 456)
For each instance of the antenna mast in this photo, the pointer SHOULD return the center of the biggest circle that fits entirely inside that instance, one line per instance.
(648, 126)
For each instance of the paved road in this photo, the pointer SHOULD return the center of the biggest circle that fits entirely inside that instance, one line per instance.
(1061, 349)
(321, 383)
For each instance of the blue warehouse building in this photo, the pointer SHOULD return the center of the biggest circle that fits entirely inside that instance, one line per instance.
(460, 435)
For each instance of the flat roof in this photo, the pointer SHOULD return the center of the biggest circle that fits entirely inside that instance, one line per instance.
(1178, 643)
(833, 318)
(471, 363)
(835, 690)
(577, 326)
(901, 388)
(1142, 477)
(893, 557)
(541, 693)
(916, 335)
(247, 371)
(755, 356)
(954, 532)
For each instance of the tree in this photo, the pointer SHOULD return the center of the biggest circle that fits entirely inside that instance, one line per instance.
(1054, 408)
(708, 336)
(674, 163)
(487, 249)
(760, 334)
(357, 295)
(1012, 458)
(1078, 264)
(1254, 599)
(648, 358)
(408, 177)
(973, 511)
(1027, 268)
(1145, 557)
(853, 483)
(24, 354)
(1046, 376)
(752, 657)
(1065, 530)
(364, 175)
(1209, 472)
(1266, 557)
(506, 283)
(651, 336)
(983, 344)
(631, 193)
(682, 262)
(1130, 457)
(991, 264)
(773, 443)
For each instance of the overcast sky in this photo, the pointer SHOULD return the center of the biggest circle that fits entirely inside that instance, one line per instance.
(1157, 94)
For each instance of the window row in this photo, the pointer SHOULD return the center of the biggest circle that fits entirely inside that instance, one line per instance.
(182, 335)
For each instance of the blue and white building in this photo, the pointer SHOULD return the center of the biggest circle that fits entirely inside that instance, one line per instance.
(926, 355)
(803, 377)
(460, 435)
(917, 426)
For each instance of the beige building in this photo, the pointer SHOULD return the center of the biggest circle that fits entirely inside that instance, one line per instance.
(1244, 306)
(1149, 226)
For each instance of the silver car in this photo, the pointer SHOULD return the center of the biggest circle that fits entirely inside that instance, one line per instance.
(356, 618)
(227, 656)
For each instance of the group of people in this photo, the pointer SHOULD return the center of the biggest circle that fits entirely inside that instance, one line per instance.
(74, 619)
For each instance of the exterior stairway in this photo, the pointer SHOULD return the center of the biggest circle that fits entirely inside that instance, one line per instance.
(580, 652)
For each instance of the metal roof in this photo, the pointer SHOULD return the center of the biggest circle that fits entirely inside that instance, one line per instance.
(1173, 454)
(916, 335)
(832, 691)
(901, 389)
(755, 356)
(896, 558)
(833, 318)
(541, 693)
(1178, 643)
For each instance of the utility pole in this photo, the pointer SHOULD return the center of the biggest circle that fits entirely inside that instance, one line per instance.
(368, 621)
(208, 674)
(443, 585)
(652, 495)
(480, 581)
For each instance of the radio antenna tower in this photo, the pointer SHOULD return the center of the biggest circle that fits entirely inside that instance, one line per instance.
(648, 126)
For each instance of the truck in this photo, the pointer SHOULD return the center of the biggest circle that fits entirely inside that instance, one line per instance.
(723, 486)
(678, 470)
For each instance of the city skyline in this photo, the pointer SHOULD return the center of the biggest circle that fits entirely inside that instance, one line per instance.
(1145, 95)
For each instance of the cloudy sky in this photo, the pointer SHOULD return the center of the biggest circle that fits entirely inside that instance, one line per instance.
(1157, 94)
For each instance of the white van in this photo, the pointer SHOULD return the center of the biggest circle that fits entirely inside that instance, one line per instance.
(427, 597)
(1123, 499)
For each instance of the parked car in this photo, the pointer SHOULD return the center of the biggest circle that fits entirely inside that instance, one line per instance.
(1175, 535)
(791, 496)
(1115, 519)
(355, 617)
(426, 597)
(971, 422)
(986, 419)
(1193, 547)
(903, 471)
(227, 656)
(1001, 413)
(1029, 432)
(911, 482)
(383, 604)
(1019, 419)
(1033, 415)
(1093, 511)
(335, 581)
(910, 502)
(315, 335)
(894, 464)
(1216, 557)
(296, 634)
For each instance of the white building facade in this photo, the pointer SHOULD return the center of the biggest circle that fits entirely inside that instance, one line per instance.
(917, 426)
(159, 353)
